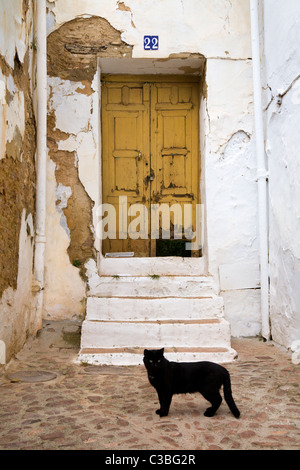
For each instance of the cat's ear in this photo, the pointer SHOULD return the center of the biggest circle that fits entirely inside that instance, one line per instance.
(145, 352)
(162, 351)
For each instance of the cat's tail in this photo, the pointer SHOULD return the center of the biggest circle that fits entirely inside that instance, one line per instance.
(229, 398)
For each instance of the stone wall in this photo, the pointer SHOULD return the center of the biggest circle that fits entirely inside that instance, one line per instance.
(17, 173)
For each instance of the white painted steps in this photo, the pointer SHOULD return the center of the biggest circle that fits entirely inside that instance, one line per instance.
(152, 286)
(127, 314)
(152, 308)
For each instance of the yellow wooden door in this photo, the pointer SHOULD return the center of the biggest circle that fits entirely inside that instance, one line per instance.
(125, 160)
(150, 157)
(175, 162)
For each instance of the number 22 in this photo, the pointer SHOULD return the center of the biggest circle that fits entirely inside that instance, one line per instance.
(151, 43)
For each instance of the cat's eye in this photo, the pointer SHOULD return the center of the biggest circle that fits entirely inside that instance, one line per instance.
(158, 360)
(150, 360)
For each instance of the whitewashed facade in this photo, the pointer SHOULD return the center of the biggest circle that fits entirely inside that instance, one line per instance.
(197, 37)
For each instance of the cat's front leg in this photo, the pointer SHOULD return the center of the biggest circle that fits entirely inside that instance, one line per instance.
(162, 412)
(165, 402)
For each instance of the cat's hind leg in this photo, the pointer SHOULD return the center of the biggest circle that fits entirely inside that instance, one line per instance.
(215, 399)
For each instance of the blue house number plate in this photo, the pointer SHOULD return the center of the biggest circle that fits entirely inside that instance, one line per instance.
(151, 43)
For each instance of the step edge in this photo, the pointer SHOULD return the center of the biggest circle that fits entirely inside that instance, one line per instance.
(162, 322)
(153, 297)
(140, 350)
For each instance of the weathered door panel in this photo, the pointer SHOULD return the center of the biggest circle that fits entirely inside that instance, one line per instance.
(125, 159)
(175, 154)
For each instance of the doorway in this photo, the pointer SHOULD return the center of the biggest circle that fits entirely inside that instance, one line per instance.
(150, 165)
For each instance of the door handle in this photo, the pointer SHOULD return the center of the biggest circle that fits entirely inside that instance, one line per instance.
(152, 175)
(149, 177)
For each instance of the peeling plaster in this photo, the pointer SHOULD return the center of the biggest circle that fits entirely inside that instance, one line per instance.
(15, 119)
(12, 119)
(70, 113)
(65, 291)
(76, 105)
(17, 159)
(73, 123)
(62, 194)
(17, 177)
(14, 23)
(2, 90)
(16, 304)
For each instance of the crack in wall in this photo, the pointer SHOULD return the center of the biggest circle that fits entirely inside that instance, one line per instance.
(227, 18)
(241, 135)
(283, 93)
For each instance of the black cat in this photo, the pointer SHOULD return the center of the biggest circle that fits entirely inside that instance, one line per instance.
(169, 378)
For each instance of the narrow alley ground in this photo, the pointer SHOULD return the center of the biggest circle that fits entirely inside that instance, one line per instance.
(113, 408)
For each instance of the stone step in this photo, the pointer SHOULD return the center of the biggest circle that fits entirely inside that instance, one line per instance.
(126, 314)
(157, 334)
(152, 286)
(119, 341)
(161, 308)
(134, 356)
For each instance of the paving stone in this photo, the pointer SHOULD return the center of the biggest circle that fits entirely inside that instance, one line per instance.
(93, 408)
(52, 436)
(247, 434)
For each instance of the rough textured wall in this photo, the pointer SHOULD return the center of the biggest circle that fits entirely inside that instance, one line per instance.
(73, 114)
(73, 48)
(17, 172)
(72, 57)
(220, 32)
(282, 114)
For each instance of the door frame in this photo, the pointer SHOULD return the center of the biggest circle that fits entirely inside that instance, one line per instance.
(145, 266)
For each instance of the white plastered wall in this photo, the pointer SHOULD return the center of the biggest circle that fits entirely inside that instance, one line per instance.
(282, 122)
(220, 31)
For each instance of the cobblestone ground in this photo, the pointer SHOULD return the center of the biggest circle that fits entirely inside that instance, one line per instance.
(113, 408)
